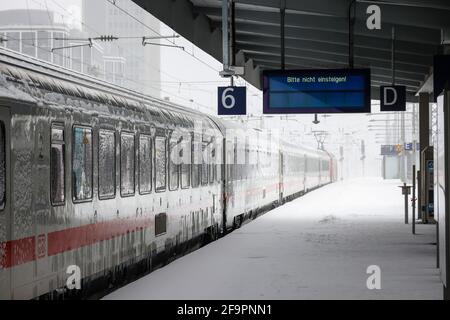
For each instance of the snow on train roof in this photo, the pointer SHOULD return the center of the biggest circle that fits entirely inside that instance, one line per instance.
(28, 79)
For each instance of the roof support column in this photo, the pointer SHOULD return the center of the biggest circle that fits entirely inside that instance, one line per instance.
(225, 36)
(424, 142)
(393, 56)
(351, 32)
(445, 37)
(444, 226)
(233, 37)
(233, 32)
(282, 36)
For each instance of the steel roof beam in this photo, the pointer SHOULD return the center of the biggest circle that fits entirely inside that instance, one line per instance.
(321, 54)
(330, 23)
(425, 13)
(373, 43)
(340, 55)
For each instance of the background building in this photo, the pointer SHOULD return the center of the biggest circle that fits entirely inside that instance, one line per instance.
(125, 62)
(140, 64)
(35, 33)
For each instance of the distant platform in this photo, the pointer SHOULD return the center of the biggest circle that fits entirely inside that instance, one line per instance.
(316, 247)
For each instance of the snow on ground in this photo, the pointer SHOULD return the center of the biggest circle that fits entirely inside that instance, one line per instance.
(316, 247)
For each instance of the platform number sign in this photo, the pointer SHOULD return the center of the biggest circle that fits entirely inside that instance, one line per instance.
(232, 101)
(393, 98)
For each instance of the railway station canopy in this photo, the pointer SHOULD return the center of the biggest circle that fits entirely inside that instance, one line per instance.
(316, 35)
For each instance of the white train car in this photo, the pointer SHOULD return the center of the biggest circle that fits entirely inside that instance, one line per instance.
(88, 179)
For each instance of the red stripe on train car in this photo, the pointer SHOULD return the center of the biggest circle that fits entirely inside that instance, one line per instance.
(17, 252)
(74, 238)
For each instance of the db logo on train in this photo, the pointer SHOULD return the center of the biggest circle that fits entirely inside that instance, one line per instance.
(41, 246)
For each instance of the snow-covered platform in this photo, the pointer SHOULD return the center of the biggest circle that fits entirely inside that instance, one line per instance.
(316, 247)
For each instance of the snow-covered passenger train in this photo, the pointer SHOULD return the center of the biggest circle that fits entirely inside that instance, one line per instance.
(86, 180)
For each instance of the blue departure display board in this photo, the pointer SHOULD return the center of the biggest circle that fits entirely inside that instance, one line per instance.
(316, 91)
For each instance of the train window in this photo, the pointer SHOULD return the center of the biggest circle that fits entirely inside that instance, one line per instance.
(173, 167)
(127, 153)
(315, 165)
(186, 167)
(234, 169)
(247, 166)
(212, 167)
(82, 163)
(145, 164)
(204, 165)
(301, 164)
(325, 165)
(218, 171)
(196, 163)
(218, 161)
(57, 162)
(106, 164)
(229, 165)
(2, 166)
(160, 163)
(160, 223)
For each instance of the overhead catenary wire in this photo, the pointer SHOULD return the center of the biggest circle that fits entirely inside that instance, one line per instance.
(104, 74)
(112, 2)
(125, 49)
(98, 33)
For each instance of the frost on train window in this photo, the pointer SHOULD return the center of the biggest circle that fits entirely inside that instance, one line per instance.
(211, 166)
(106, 164)
(82, 163)
(57, 161)
(196, 162)
(160, 163)
(2, 166)
(145, 164)
(218, 168)
(205, 160)
(127, 164)
(186, 167)
(173, 167)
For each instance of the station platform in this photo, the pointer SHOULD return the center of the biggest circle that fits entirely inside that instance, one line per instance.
(316, 247)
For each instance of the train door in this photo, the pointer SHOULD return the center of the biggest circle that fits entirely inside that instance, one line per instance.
(305, 174)
(5, 213)
(281, 179)
(223, 174)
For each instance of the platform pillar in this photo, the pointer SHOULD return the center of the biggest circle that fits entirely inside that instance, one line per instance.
(445, 238)
(424, 142)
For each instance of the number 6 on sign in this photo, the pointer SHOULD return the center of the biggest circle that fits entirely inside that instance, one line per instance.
(228, 97)
(231, 100)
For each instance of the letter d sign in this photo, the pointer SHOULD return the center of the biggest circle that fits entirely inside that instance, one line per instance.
(392, 98)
